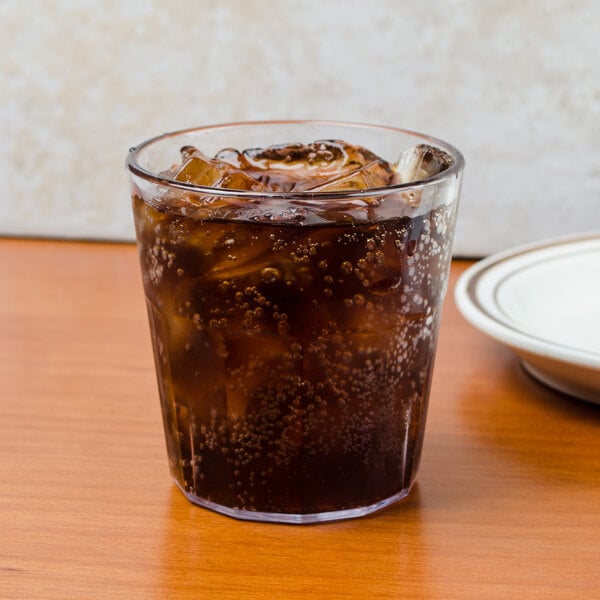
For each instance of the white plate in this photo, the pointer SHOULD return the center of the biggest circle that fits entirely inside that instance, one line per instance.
(543, 301)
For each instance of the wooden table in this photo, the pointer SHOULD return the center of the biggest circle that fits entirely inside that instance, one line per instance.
(507, 503)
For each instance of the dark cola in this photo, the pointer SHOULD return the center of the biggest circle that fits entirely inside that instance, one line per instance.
(293, 344)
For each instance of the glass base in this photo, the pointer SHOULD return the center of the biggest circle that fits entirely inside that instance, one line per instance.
(295, 518)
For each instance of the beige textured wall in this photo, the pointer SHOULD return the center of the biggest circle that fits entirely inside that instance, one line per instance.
(514, 84)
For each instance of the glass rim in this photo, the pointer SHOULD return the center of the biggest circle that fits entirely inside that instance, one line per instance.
(455, 169)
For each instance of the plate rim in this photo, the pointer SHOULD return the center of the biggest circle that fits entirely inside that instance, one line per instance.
(512, 336)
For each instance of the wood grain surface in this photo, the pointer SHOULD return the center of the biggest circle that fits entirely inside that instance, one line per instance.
(507, 503)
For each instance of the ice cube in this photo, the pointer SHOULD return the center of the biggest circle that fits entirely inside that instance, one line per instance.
(421, 162)
(301, 167)
(233, 157)
(213, 172)
(198, 169)
(372, 175)
(417, 164)
(238, 180)
(237, 253)
(259, 365)
(319, 154)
